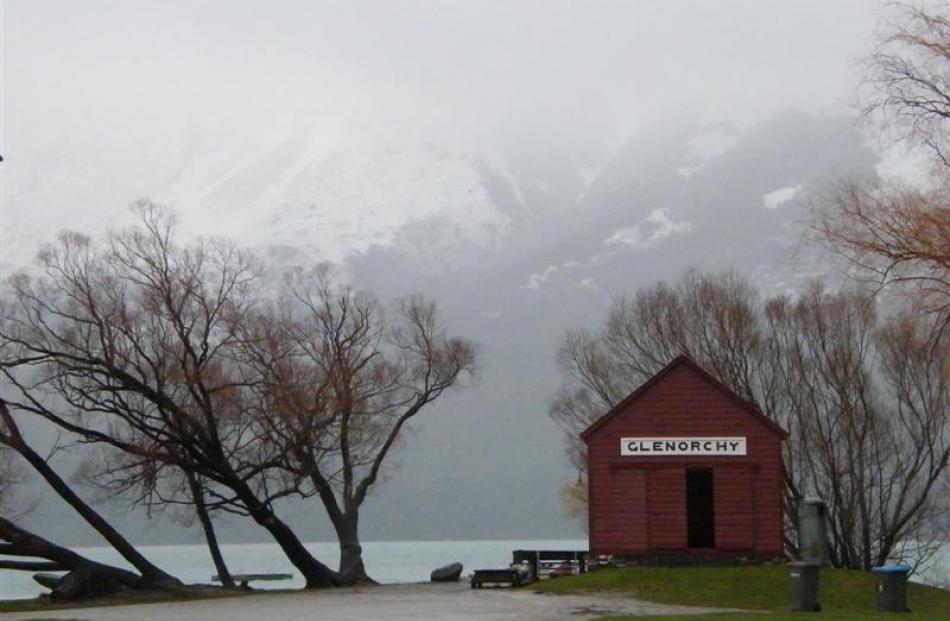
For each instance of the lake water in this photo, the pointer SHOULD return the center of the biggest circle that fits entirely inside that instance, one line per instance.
(386, 561)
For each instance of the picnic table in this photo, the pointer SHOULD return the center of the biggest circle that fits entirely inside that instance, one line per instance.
(552, 562)
(244, 579)
(495, 576)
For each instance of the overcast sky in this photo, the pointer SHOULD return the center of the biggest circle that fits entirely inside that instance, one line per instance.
(120, 89)
(107, 101)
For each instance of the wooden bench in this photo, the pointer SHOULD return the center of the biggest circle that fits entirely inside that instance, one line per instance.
(551, 562)
(496, 576)
(244, 579)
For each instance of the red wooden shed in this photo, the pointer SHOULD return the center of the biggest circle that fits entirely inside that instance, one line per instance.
(684, 470)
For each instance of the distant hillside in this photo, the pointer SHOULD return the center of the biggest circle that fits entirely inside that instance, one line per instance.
(516, 240)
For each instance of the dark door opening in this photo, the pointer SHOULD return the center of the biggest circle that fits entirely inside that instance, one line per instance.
(700, 509)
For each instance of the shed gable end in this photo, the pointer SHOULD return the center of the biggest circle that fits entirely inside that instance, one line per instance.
(669, 375)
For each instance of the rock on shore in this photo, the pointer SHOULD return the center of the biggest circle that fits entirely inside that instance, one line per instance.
(449, 573)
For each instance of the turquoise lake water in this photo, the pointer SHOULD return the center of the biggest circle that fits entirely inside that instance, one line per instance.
(386, 561)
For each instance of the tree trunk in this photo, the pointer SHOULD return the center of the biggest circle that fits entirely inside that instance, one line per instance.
(208, 527)
(316, 574)
(150, 573)
(32, 566)
(346, 525)
(21, 542)
(351, 552)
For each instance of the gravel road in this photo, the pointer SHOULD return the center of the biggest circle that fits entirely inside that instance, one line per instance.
(404, 602)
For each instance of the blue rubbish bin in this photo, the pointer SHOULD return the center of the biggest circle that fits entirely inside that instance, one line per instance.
(891, 583)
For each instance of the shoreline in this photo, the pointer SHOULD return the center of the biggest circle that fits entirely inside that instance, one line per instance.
(387, 562)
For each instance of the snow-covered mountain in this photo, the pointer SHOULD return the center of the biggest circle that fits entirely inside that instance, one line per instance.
(517, 239)
(340, 191)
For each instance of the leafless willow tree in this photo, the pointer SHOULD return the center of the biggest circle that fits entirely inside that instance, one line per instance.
(906, 87)
(159, 487)
(866, 399)
(712, 318)
(343, 379)
(206, 393)
(12, 477)
(892, 234)
(868, 404)
(88, 577)
(139, 337)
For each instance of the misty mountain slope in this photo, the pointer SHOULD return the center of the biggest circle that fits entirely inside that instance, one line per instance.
(330, 193)
(519, 299)
(717, 208)
(377, 188)
(515, 250)
(642, 208)
(501, 159)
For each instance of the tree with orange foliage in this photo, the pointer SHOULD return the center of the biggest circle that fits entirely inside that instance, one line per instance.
(894, 235)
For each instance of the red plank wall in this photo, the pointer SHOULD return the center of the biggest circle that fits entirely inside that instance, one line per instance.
(638, 504)
(666, 510)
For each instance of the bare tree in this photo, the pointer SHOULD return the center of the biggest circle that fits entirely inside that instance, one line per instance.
(212, 397)
(866, 400)
(890, 234)
(20, 544)
(139, 338)
(343, 381)
(12, 476)
(870, 420)
(199, 501)
(154, 485)
(893, 235)
(911, 503)
(712, 318)
(88, 578)
(906, 86)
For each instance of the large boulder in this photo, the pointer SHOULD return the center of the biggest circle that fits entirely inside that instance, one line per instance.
(449, 573)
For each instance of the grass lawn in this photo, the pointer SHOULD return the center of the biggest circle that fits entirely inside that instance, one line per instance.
(843, 594)
(788, 616)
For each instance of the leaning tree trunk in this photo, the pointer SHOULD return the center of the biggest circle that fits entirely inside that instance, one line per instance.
(151, 574)
(14, 440)
(197, 494)
(316, 574)
(86, 578)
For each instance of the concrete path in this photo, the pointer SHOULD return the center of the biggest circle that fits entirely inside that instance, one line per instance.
(442, 602)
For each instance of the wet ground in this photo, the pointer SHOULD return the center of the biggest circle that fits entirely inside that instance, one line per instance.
(444, 602)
